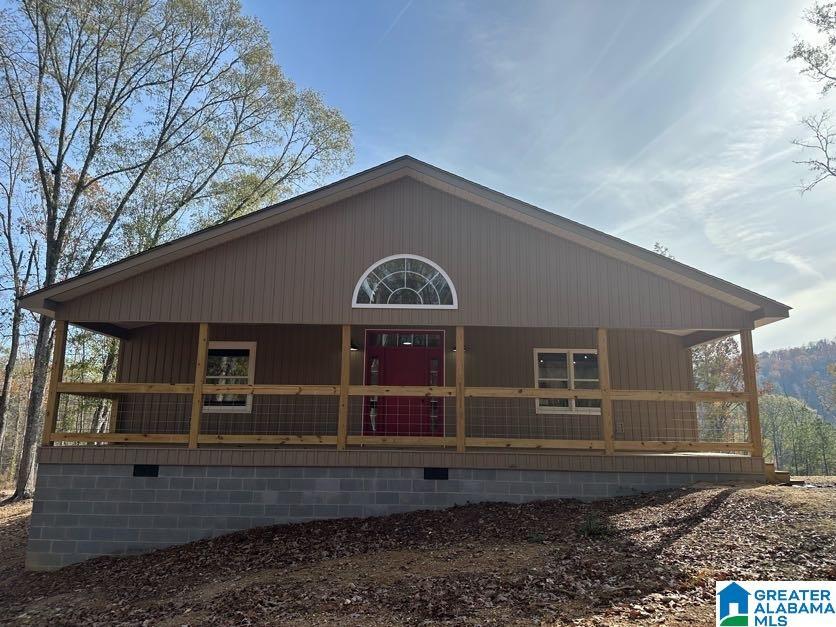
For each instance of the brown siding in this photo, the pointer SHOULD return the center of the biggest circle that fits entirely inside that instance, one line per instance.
(640, 360)
(495, 357)
(299, 355)
(162, 353)
(644, 360)
(506, 274)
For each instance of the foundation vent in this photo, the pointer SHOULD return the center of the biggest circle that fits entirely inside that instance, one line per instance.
(438, 474)
(146, 470)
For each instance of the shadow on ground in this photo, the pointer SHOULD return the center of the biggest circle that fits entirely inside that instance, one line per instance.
(626, 560)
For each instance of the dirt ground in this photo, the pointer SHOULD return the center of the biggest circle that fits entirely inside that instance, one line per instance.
(646, 560)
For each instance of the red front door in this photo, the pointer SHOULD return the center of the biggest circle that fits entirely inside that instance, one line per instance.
(404, 358)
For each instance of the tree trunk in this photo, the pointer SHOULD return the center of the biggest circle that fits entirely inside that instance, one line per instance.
(778, 445)
(13, 436)
(100, 416)
(823, 443)
(34, 411)
(40, 357)
(9, 370)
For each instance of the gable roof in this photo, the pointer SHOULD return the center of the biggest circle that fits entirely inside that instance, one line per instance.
(734, 590)
(763, 309)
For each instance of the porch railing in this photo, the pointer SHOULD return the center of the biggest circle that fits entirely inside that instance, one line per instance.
(172, 405)
(475, 417)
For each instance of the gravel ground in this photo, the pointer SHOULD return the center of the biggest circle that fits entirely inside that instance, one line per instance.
(651, 559)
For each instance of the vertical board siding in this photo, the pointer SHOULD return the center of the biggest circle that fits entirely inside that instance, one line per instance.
(503, 357)
(303, 271)
(494, 357)
(301, 355)
(162, 353)
(646, 360)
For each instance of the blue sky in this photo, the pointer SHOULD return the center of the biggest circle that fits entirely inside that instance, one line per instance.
(653, 121)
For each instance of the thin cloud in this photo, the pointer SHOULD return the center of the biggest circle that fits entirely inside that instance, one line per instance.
(573, 125)
(543, 135)
(811, 319)
(625, 168)
(620, 90)
(728, 187)
(396, 20)
(796, 261)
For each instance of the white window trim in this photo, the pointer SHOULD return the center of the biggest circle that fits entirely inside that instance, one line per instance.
(245, 409)
(356, 305)
(570, 370)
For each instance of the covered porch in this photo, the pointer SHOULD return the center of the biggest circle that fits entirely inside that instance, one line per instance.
(384, 394)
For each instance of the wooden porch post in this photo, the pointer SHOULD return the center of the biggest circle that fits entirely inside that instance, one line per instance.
(607, 427)
(199, 378)
(460, 420)
(750, 386)
(345, 380)
(58, 351)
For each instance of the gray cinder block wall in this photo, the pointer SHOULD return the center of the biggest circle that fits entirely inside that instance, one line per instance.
(84, 510)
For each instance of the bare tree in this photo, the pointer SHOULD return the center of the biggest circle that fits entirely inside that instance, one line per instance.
(818, 62)
(19, 251)
(822, 144)
(180, 102)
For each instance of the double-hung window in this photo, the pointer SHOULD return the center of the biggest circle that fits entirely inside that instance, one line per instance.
(566, 369)
(230, 363)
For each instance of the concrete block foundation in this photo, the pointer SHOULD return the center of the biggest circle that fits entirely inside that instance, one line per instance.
(85, 510)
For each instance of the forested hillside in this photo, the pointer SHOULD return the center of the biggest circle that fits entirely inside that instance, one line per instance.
(798, 400)
(802, 372)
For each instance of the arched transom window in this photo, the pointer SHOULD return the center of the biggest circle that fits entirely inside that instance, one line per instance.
(405, 281)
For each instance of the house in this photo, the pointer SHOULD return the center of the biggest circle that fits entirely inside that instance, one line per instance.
(401, 339)
(734, 604)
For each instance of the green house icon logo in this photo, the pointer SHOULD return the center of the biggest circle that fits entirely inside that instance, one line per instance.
(733, 604)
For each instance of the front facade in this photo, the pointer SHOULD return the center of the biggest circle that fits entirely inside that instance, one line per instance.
(401, 339)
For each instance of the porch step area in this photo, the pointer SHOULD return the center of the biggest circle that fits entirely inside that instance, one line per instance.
(781, 477)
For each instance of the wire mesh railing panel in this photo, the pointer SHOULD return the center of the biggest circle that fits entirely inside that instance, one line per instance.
(267, 414)
(162, 413)
(81, 417)
(523, 418)
(722, 422)
(402, 416)
(153, 413)
(681, 421)
(83, 414)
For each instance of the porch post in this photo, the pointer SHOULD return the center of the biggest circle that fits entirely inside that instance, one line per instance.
(460, 421)
(58, 351)
(199, 378)
(345, 380)
(750, 386)
(607, 428)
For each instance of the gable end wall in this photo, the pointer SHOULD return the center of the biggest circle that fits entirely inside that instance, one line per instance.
(506, 273)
